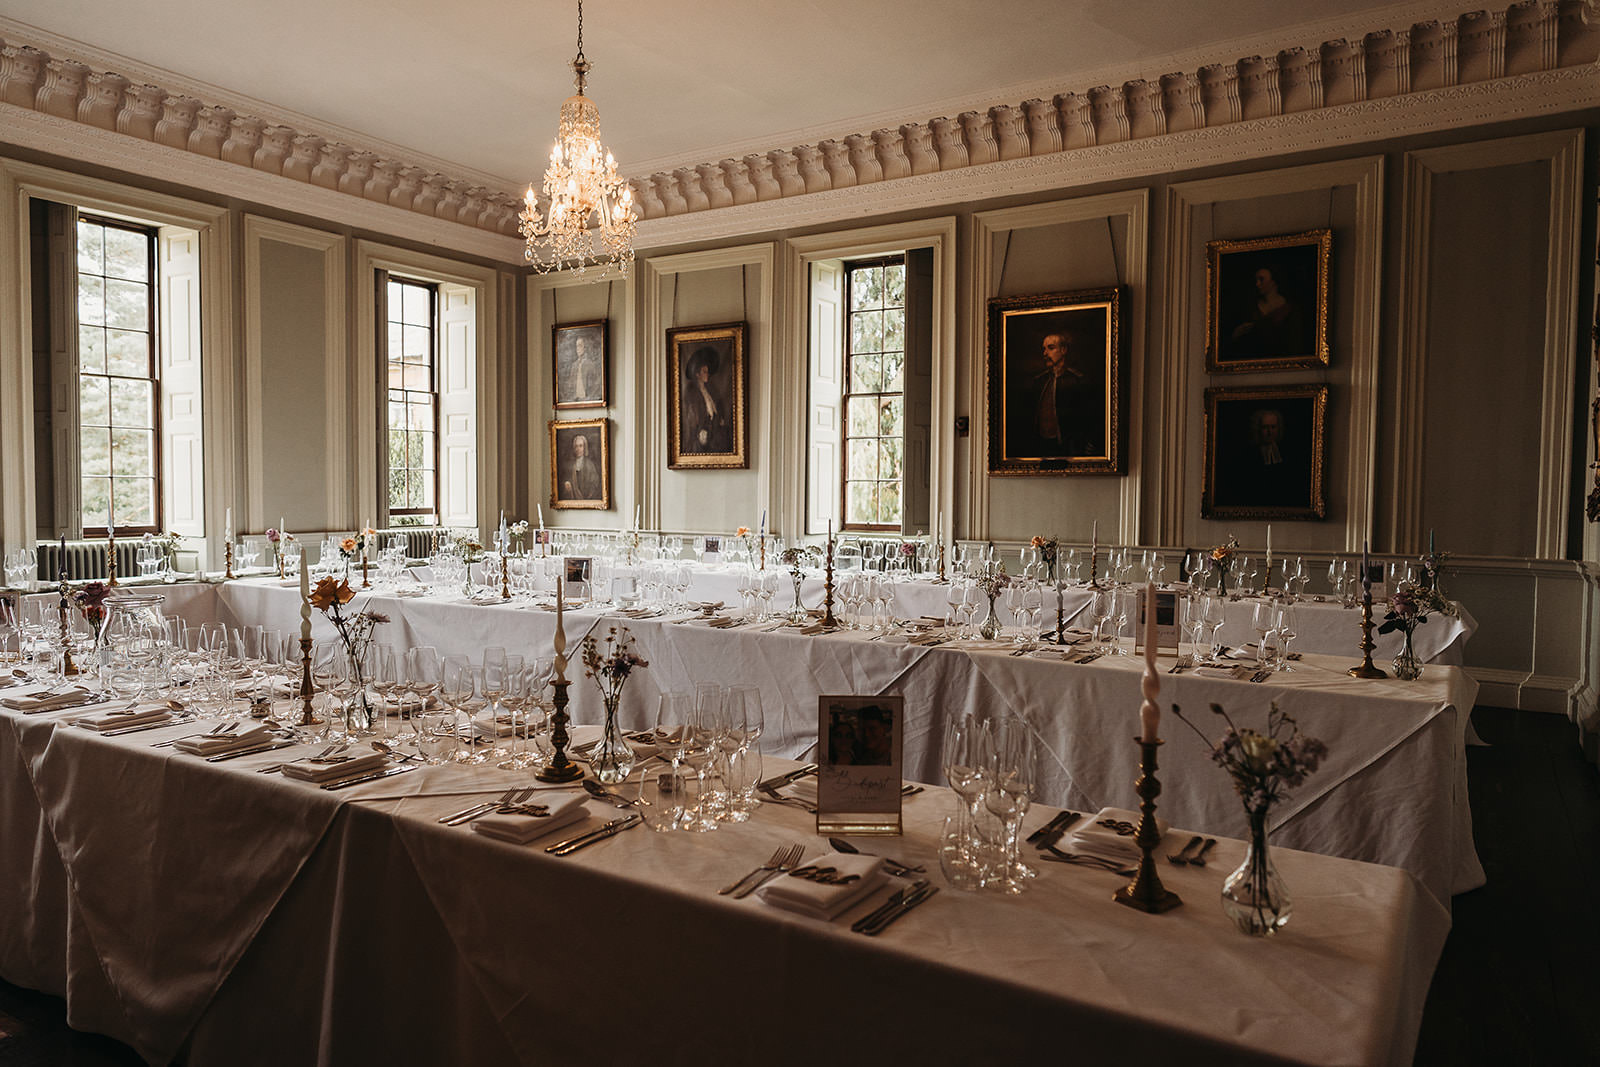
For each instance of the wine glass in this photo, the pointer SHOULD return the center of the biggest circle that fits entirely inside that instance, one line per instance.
(1104, 607)
(496, 678)
(1263, 621)
(1215, 609)
(965, 742)
(700, 747)
(387, 666)
(1008, 794)
(1288, 624)
(455, 686)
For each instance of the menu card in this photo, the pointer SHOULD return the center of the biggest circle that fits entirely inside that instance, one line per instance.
(1166, 622)
(859, 759)
(576, 577)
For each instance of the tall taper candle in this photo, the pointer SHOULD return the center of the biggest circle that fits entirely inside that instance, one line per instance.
(561, 636)
(1430, 540)
(541, 515)
(227, 526)
(1366, 575)
(1150, 711)
(1269, 553)
(305, 600)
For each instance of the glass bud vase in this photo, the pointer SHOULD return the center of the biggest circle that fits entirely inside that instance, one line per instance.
(612, 758)
(990, 627)
(1222, 578)
(1407, 667)
(1254, 896)
(798, 612)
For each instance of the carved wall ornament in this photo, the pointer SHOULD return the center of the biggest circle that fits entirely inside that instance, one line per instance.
(952, 150)
(786, 170)
(891, 149)
(141, 110)
(102, 99)
(863, 159)
(20, 69)
(276, 144)
(331, 162)
(1044, 126)
(63, 86)
(978, 132)
(210, 130)
(244, 139)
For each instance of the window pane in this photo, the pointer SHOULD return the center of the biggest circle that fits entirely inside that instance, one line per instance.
(418, 376)
(415, 306)
(866, 331)
(422, 449)
(866, 286)
(96, 501)
(397, 338)
(130, 403)
(894, 331)
(396, 299)
(416, 344)
(892, 364)
(397, 449)
(94, 452)
(894, 285)
(865, 373)
(861, 503)
(421, 414)
(862, 459)
(133, 453)
(127, 255)
(128, 353)
(889, 464)
(418, 491)
(889, 502)
(91, 301)
(92, 349)
(397, 487)
(91, 236)
(889, 416)
(429, 480)
(127, 304)
(134, 501)
(863, 417)
(94, 401)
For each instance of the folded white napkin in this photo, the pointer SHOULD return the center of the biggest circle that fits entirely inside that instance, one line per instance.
(111, 720)
(501, 728)
(271, 689)
(48, 701)
(520, 829)
(1217, 672)
(215, 745)
(820, 900)
(392, 705)
(1108, 835)
(306, 771)
(804, 788)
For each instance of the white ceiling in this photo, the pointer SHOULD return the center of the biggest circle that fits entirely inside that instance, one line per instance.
(478, 82)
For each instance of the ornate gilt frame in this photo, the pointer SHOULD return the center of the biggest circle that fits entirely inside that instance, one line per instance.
(681, 340)
(1318, 509)
(604, 503)
(605, 364)
(1319, 240)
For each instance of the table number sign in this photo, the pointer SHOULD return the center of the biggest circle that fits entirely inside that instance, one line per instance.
(859, 752)
(1166, 622)
(713, 551)
(575, 572)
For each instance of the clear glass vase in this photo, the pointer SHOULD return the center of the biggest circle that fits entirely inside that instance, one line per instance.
(1407, 667)
(989, 629)
(612, 758)
(798, 612)
(1254, 896)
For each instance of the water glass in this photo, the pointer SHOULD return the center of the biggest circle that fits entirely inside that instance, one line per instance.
(662, 795)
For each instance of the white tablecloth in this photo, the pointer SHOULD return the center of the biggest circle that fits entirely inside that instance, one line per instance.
(211, 913)
(1393, 790)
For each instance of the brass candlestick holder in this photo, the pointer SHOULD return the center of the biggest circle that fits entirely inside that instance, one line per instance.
(111, 561)
(1366, 669)
(827, 587)
(1145, 892)
(227, 555)
(763, 551)
(941, 563)
(505, 578)
(365, 584)
(560, 768)
(69, 669)
(307, 716)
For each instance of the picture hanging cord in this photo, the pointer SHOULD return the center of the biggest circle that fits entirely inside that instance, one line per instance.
(672, 322)
(1005, 254)
(1111, 239)
(611, 288)
(555, 303)
(1330, 207)
(744, 291)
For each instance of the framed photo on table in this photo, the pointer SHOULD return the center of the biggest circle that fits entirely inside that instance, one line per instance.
(708, 426)
(1266, 453)
(1055, 383)
(580, 464)
(859, 756)
(580, 364)
(1267, 302)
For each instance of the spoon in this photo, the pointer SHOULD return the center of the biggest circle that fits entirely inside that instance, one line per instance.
(595, 789)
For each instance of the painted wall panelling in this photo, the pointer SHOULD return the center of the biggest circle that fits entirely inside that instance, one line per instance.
(296, 329)
(1349, 194)
(703, 288)
(1046, 248)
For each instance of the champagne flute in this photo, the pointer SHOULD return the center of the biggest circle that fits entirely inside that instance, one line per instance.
(1009, 794)
(455, 685)
(388, 679)
(699, 748)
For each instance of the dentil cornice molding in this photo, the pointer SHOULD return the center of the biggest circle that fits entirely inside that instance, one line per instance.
(1535, 57)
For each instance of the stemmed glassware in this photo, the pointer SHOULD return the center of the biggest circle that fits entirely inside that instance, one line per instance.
(1287, 625)
(1008, 794)
(741, 752)
(1264, 621)
(705, 728)
(965, 744)
(388, 680)
(1103, 607)
(455, 686)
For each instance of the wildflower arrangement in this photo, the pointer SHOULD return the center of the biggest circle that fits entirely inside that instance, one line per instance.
(1263, 766)
(1410, 605)
(517, 531)
(993, 580)
(91, 602)
(799, 557)
(1049, 549)
(611, 664)
(355, 631)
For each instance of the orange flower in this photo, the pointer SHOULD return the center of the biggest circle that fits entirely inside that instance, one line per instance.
(348, 544)
(743, 531)
(1037, 542)
(331, 591)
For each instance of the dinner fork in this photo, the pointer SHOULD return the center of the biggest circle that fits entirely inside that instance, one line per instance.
(771, 865)
(790, 861)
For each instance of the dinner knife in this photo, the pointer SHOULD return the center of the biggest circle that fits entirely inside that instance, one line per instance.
(119, 731)
(573, 844)
(1056, 833)
(896, 899)
(387, 772)
(265, 746)
(1038, 835)
(915, 898)
(788, 777)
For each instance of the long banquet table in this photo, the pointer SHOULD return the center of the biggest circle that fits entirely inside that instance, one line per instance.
(216, 915)
(1392, 791)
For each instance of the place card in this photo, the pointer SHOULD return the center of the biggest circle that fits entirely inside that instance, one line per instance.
(713, 551)
(859, 758)
(1166, 622)
(575, 576)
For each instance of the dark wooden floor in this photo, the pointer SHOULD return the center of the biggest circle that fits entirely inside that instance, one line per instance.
(1519, 981)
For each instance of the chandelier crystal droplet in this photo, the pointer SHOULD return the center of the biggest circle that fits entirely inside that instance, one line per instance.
(589, 218)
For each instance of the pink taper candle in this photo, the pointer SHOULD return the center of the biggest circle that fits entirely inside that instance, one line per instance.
(1150, 711)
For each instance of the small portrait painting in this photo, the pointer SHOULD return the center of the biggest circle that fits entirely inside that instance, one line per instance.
(707, 425)
(580, 464)
(1267, 302)
(1055, 383)
(580, 364)
(1265, 453)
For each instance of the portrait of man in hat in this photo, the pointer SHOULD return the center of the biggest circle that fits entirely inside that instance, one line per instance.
(705, 404)
(707, 424)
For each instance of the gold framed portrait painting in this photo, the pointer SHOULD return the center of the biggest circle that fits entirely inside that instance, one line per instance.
(1266, 453)
(1055, 388)
(580, 464)
(708, 426)
(580, 365)
(1267, 302)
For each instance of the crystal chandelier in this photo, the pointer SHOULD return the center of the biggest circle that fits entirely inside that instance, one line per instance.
(589, 218)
